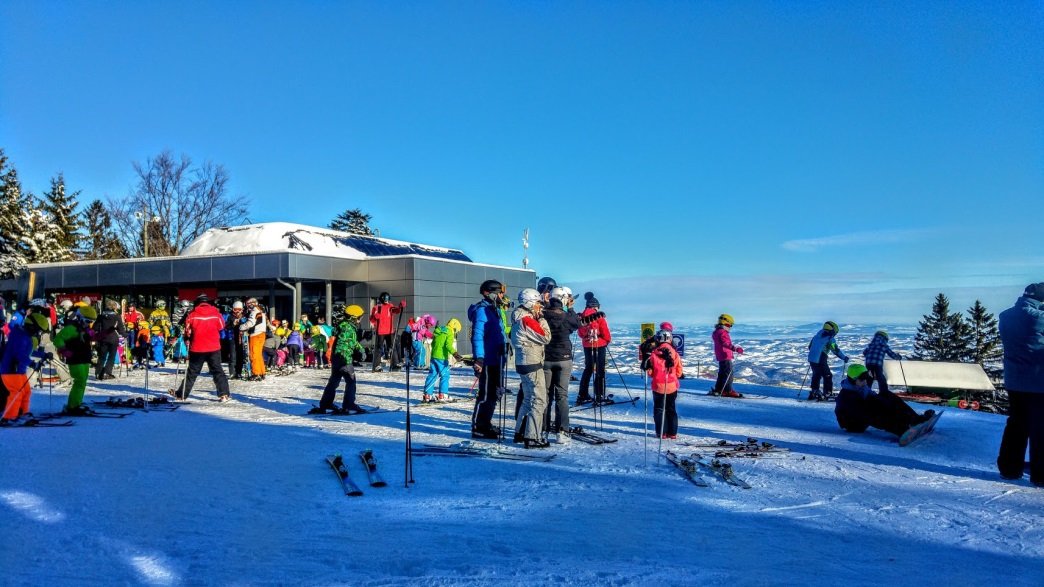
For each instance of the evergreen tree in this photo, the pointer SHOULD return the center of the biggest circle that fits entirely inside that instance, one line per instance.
(353, 221)
(941, 335)
(985, 344)
(101, 241)
(12, 221)
(61, 208)
(40, 242)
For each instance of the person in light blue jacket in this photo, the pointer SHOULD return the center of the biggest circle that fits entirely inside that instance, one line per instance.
(1022, 334)
(819, 349)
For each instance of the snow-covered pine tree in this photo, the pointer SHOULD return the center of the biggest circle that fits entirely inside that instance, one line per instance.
(353, 221)
(942, 336)
(101, 241)
(41, 243)
(985, 344)
(12, 221)
(61, 208)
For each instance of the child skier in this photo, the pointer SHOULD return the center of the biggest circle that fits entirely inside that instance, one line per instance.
(723, 352)
(158, 342)
(818, 350)
(73, 342)
(346, 342)
(875, 353)
(442, 349)
(664, 368)
(858, 407)
(141, 344)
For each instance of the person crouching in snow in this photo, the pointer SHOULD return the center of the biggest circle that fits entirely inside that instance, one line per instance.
(723, 352)
(73, 342)
(874, 354)
(441, 350)
(858, 407)
(529, 335)
(664, 368)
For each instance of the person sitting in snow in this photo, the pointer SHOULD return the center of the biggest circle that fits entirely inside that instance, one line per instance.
(875, 353)
(858, 407)
(819, 348)
(723, 352)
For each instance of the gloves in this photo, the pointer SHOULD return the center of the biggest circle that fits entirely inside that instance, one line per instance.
(402, 304)
(668, 360)
(739, 350)
(585, 320)
(48, 356)
(477, 365)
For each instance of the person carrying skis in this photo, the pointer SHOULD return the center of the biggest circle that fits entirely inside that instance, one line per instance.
(858, 407)
(203, 326)
(723, 353)
(558, 359)
(488, 345)
(346, 342)
(818, 350)
(1022, 334)
(383, 322)
(594, 336)
(73, 342)
(664, 367)
(874, 355)
(529, 335)
(443, 347)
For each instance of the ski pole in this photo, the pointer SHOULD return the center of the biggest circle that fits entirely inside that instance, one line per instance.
(409, 433)
(803, 379)
(645, 416)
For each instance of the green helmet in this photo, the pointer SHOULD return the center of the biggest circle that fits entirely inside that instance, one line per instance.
(831, 326)
(855, 371)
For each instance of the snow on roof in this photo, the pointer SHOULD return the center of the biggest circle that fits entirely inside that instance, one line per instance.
(299, 238)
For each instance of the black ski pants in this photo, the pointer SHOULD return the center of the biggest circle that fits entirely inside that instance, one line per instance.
(821, 371)
(594, 363)
(106, 358)
(486, 401)
(879, 376)
(1025, 425)
(340, 368)
(724, 381)
(384, 346)
(237, 353)
(195, 366)
(665, 414)
(556, 374)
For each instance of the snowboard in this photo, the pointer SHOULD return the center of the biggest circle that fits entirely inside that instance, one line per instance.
(920, 430)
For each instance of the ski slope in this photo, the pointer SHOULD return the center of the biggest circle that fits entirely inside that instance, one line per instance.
(240, 494)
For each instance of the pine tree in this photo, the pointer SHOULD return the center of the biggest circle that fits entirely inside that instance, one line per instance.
(985, 344)
(101, 241)
(353, 221)
(942, 336)
(12, 221)
(61, 208)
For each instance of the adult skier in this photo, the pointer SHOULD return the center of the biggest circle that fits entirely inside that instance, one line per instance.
(1022, 333)
(818, 350)
(530, 333)
(558, 359)
(595, 337)
(255, 329)
(346, 342)
(382, 319)
(488, 346)
(875, 353)
(664, 368)
(723, 352)
(858, 407)
(237, 350)
(108, 330)
(203, 326)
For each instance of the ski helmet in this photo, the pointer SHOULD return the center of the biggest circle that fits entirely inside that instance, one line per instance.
(857, 371)
(726, 320)
(491, 286)
(184, 303)
(882, 333)
(562, 293)
(528, 297)
(831, 326)
(546, 284)
(453, 325)
(354, 310)
(384, 298)
(66, 304)
(161, 304)
(237, 305)
(664, 336)
(88, 313)
(666, 326)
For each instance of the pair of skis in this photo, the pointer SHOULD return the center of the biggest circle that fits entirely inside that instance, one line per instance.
(30, 421)
(608, 401)
(158, 402)
(475, 449)
(578, 433)
(336, 462)
(339, 413)
(693, 464)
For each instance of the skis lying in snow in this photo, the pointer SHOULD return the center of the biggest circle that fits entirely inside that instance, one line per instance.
(688, 467)
(920, 430)
(337, 463)
(608, 401)
(750, 445)
(440, 403)
(32, 422)
(87, 412)
(139, 403)
(470, 449)
(337, 412)
(371, 468)
(742, 396)
(582, 435)
(722, 470)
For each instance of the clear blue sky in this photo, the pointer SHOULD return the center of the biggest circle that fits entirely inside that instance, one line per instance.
(779, 161)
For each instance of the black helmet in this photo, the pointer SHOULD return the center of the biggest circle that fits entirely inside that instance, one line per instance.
(491, 286)
(384, 298)
(546, 284)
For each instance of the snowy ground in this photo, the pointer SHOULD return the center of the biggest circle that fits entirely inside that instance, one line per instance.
(239, 494)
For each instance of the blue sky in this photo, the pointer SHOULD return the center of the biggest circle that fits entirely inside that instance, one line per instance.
(779, 161)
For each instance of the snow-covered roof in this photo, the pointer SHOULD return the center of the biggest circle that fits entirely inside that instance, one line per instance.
(299, 238)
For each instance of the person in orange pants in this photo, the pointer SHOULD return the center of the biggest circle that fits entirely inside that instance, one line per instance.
(254, 327)
(16, 392)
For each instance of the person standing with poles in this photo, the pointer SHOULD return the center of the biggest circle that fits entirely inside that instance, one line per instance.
(664, 368)
(595, 336)
(723, 353)
(529, 336)
(384, 330)
(254, 328)
(558, 359)
(1022, 334)
(488, 345)
(819, 348)
(203, 326)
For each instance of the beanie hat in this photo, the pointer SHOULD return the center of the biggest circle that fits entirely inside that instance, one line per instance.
(592, 302)
(1035, 291)
(666, 326)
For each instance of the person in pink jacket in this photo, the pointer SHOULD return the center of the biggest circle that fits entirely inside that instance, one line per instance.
(595, 336)
(723, 352)
(665, 366)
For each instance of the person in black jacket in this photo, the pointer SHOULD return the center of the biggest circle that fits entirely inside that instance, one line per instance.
(108, 330)
(558, 358)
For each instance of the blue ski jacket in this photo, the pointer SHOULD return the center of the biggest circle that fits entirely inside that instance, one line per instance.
(822, 344)
(1022, 333)
(487, 331)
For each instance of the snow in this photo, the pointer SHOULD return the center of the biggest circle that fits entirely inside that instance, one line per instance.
(240, 494)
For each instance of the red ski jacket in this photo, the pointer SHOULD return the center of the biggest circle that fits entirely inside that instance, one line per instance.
(381, 317)
(595, 334)
(203, 328)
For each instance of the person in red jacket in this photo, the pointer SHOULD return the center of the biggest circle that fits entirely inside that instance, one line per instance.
(595, 337)
(664, 368)
(203, 331)
(383, 322)
(723, 352)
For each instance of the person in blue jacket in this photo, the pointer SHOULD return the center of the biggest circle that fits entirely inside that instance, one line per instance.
(488, 345)
(819, 349)
(1022, 334)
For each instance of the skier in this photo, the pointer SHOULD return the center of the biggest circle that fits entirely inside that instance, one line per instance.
(141, 344)
(383, 323)
(131, 318)
(874, 354)
(488, 346)
(664, 367)
(858, 407)
(1022, 334)
(558, 359)
(595, 337)
(160, 317)
(649, 344)
(723, 352)
(108, 330)
(530, 333)
(203, 326)
(818, 349)
(255, 328)
(442, 348)
(158, 342)
(346, 342)
(73, 342)
(22, 338)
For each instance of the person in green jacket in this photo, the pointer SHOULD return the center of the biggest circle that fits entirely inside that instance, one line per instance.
(442, 348)
(346, 342)
(73, 342)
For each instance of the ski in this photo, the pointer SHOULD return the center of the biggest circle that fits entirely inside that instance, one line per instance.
(742, 395)
(436, 404)
(750, 445)
(35, 423)
(337, 413)
(611, 401)
(468, 449)
(138, 403)
(337, 463)
(589, 437)
(723, 471)
(371, 468)
(920, 430)
(688, 468)
(86, 412)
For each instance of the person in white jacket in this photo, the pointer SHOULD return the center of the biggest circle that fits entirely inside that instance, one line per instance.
(529, 335)
(254, 328)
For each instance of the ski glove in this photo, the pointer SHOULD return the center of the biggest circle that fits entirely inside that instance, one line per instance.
(402, 304)
(477, 365)
(739, 350)
(585, 320)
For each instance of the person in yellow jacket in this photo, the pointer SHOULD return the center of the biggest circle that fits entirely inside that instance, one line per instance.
(160, 317)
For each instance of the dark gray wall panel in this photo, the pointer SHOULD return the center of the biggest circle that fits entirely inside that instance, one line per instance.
(152, 273)
(429, 288)
(387, 269)
(192, 270)
(345, 270)
(270, 266)
(116, 273)
(80, 275)
(309, 267)
(233, 268)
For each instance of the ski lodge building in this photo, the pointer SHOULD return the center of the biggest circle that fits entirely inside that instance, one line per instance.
(290, 268)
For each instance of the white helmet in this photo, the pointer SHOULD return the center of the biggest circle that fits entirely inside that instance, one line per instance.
(528, 297)
(237, 305)
(185, 303)
(562, 293)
